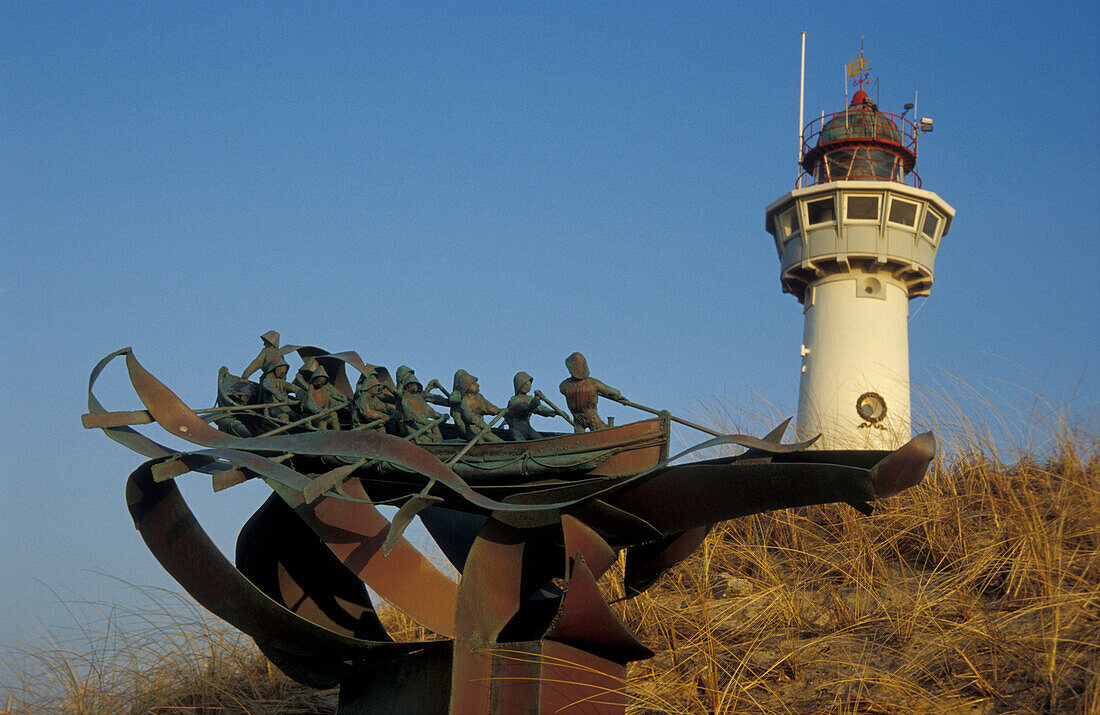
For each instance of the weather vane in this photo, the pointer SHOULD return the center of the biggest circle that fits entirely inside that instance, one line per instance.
(859, 69)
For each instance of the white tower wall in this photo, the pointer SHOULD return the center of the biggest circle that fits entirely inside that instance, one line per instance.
(855, 345)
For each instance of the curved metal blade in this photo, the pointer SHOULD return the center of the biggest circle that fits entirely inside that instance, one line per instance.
(580, 539)
(175, 538)
(905, 467)
(585, 619)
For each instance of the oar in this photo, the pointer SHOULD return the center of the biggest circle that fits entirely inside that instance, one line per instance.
(142, 417)
(438, 420)
(330, 480)
(369, 425)
(235, 476)
(238, 408)
(538, 394)
(284, 428)
(674, 418)
(469, 445)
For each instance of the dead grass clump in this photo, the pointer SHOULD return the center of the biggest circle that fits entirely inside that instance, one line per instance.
(402, 628)
(167, 657)
(976, 592)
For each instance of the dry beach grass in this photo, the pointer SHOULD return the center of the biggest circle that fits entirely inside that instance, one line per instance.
(165, 655)
(976, 592)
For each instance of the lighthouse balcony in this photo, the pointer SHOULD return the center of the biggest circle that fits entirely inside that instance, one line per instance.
(858, 226)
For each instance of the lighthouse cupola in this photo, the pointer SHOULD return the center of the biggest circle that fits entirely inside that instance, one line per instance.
(857, 240)
(860, 143)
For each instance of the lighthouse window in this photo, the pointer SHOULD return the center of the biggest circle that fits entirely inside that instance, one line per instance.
(903, 212)
(788, 222)
(863, 207)
(931, 223)
(820, 211)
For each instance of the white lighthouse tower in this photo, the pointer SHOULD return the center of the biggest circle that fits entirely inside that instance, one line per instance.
(857, 241)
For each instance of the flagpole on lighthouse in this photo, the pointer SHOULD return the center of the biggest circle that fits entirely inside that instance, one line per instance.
(801, 107)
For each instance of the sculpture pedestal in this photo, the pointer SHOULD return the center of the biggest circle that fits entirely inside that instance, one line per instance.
(503, 678)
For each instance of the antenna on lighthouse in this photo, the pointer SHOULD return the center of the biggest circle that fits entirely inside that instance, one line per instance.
(801, 106)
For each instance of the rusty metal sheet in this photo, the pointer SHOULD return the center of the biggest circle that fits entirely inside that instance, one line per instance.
(777, 432)
(669, 500)
(489, 592)
(580, 539)
(115, 419)
(862, 458)
(741, 440)
(572, 680)
(472, 679)
(550, 677)
(355, 532)
(282, 557)
(274, 473)
(672, 502)
(585, 620)
(562, 494)
(904, 467)
(453, 531)
(646, 562)
(404, 516)
(229, 478)
(419, 683)
(126, 436)
(175, 538)
(536, 677)
(617, 526)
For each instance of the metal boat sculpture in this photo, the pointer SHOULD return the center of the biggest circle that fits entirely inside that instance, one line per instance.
(524, 628)
(615, 451)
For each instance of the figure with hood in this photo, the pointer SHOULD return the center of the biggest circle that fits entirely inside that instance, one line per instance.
(581, 392)
(275, 388)
(415, 411)
(302, 377)
(368, 405)
(520, 408)
(268, 354)
(472, 407)
(442, 400)
(454, 399)
(399, 376)
(318, 400)
(388, 391)
(233, 391)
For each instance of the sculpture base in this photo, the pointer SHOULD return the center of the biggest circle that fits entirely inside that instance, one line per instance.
(526, 677)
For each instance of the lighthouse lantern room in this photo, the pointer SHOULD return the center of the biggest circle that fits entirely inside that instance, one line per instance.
(857, 240)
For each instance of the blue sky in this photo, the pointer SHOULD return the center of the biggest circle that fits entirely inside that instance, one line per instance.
(493, 186)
